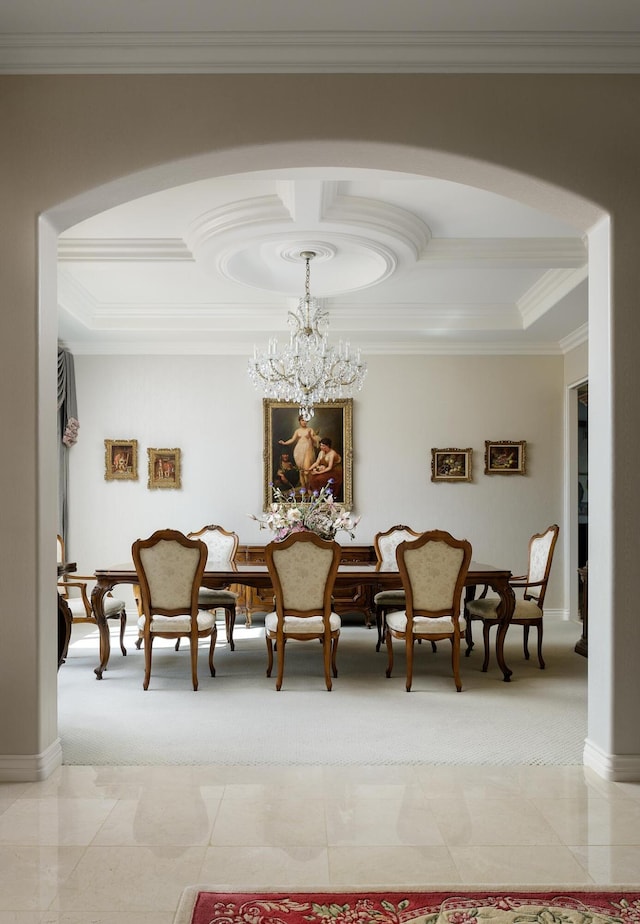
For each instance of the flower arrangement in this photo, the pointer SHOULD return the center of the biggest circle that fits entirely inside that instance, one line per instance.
(316, 511)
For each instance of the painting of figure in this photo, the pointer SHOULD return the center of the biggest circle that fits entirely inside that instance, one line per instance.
(301, 456)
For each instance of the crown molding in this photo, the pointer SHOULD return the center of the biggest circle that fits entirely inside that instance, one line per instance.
(321, 52)
(214, 347)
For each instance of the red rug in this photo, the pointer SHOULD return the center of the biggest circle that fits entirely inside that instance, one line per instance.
(612, 906)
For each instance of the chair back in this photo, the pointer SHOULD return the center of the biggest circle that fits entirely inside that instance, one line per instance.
(221, 544)
(303, 570)
(386, 543)
(433, 568)
(169, 566)
(541, 547)
(60, 542)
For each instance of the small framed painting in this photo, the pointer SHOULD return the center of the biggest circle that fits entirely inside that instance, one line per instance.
(505, 457)
(451, 464)
(121, 460)
(164, 468)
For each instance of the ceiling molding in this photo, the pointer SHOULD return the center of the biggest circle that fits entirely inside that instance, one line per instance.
(575, 339)
(505, 253)
(548, 291)
(123, 250)
(320, 52)
(228, 348)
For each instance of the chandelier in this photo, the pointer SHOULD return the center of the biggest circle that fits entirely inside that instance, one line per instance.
(308, 370)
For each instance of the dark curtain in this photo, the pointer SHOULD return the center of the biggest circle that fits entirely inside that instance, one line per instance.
(68, 425)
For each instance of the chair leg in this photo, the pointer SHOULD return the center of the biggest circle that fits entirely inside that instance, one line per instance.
(468, 636)
(334, 656)
(540, 658)
(389, 652)
(230, 621)
(147, 661)
(177, 645)
(193, 646)
(269, 655)
(380, 613)
(326, 657)
(455, 661)
(409, 646)
(212, 648)
(280, 649)
(123, 626)
(525, 641)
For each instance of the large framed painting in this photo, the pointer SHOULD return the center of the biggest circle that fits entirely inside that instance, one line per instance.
(301, 457)
(505, 457)
(121, 460)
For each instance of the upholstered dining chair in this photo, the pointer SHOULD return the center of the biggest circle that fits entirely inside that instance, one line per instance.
(169, 567)
(303, 570)
(385, 545)
(222, 546)
(433, 568)
(529, 606)
(74, 589)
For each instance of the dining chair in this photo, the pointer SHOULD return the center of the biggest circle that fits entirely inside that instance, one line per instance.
(74, 590)
(528, 607)
(433, 568)
(385, 545)
(222, 545)
(169, 567)
(303, 570)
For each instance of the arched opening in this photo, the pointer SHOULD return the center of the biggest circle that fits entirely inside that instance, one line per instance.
(414, 161)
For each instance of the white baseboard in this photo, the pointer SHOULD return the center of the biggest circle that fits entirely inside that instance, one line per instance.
(30, 768)
(616, 768)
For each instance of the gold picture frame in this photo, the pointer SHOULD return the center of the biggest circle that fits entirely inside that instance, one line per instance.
(121, 460)
(333, 421)
(164, 468)
(451, 464)
(505, 457)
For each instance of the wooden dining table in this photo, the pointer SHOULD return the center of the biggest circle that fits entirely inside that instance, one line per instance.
(220, 574)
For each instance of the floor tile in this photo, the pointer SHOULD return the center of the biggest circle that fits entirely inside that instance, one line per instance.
(608, 865)
(273, 867)
(518, 866)
(382, 867)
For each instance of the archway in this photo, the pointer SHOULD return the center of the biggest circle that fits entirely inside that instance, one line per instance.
(380, 156)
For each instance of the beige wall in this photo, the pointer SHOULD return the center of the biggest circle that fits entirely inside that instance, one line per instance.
(559, 143)
(408, 405)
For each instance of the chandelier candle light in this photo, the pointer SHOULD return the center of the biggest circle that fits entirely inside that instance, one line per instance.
(308, 371)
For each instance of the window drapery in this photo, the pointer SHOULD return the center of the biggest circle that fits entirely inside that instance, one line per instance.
(68, 425)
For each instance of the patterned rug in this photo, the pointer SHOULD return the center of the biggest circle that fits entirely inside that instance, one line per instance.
(614, 906)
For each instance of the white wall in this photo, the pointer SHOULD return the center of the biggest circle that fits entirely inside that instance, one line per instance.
(206, 406)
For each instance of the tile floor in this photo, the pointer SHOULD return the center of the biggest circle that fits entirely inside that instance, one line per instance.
(116, 845)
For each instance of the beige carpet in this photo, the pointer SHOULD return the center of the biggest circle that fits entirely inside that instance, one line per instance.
(238, 717)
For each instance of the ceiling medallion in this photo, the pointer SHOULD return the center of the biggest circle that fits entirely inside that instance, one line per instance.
(308, 370)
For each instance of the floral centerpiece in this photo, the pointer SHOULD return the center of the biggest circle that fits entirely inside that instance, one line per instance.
(316, 511)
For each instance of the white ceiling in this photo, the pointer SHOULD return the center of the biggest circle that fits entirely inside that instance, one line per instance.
(405, 264)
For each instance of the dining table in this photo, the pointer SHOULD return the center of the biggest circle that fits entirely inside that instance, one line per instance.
(219, 574)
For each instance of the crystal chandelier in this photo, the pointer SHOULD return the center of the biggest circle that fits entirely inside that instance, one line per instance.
(308, 370)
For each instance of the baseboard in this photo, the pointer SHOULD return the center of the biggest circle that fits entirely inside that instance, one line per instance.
(616, 768)
(30, 768)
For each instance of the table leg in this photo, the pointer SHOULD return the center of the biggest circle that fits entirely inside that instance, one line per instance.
(97, 598)
(505, 612)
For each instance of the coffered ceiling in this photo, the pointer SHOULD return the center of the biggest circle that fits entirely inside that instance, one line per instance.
(405, 264)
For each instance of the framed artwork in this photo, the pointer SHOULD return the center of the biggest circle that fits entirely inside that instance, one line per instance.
(292, 446)
(451, 464)
(164, 468)
(505, 457)
(121, 460)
